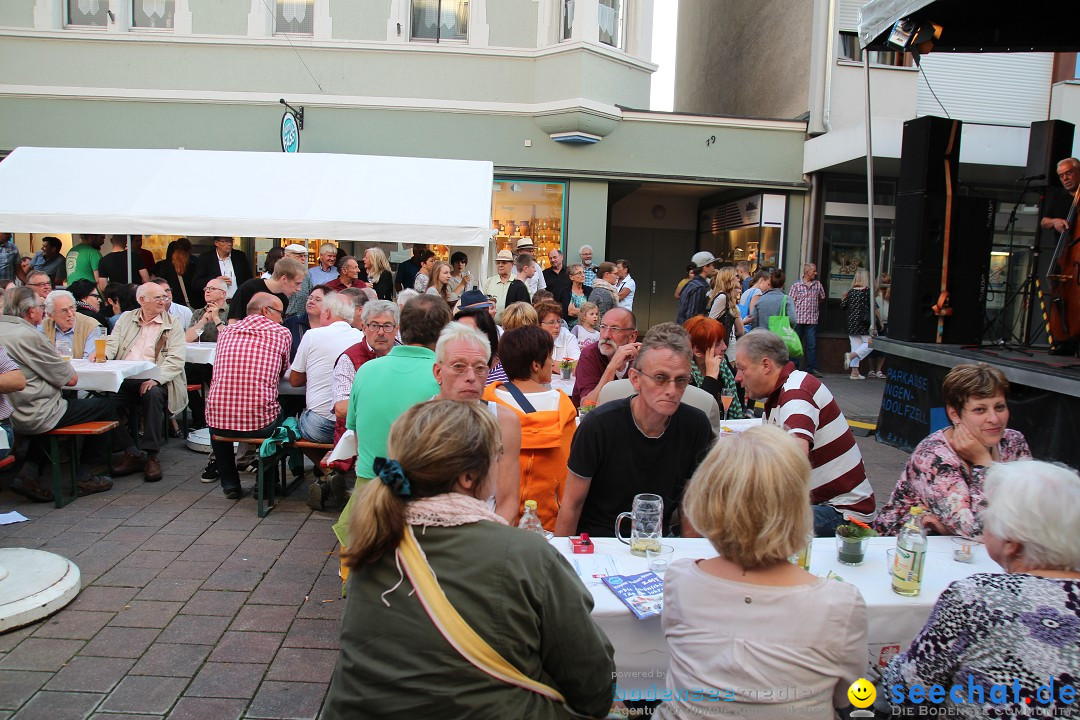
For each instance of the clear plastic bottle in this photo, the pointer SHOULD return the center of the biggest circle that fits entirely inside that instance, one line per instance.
(907, 569)
(529, 519)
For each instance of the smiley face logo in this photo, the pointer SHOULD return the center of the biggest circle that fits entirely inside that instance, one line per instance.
(862, 693)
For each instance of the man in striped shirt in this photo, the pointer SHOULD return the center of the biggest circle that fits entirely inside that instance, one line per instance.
(798, 402)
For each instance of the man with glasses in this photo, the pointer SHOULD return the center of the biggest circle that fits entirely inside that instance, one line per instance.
(319, 275)
(647, 443)
(181, 312)
(251, 357)
(586, 255)
(212, 316)
(150, 333)
(797, 402)
(311, 317)
(40, 283)
(230, 265)
(88, 302)
(609, 359)
(64, 326)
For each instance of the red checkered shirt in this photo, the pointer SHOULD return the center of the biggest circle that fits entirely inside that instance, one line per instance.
(807, 299)
(251, 357)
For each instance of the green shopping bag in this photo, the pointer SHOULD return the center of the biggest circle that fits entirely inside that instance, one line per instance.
(780, 325)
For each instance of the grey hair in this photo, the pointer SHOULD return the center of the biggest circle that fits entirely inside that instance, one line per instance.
(665, 336)
(806, 267)
(339, 306)
(761, 343)
(456, 331)
(327, 246)
(380, 307)
(405, 296)
(218, 283)
(571, 269)
(1070, 161)
(586, 247)
(1037, 504)
(34, 273)
(52, 297)
(19, 300)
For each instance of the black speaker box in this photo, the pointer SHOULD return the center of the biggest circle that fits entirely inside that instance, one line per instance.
(920, 229)
(930, 144)
(1050, 142)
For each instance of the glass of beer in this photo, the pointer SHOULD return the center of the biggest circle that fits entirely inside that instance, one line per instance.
(99, 349)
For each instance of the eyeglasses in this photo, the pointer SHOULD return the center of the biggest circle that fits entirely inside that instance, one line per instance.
(661, 380)
(40, 284)
(478, 369)
(279, 312)
(159, 298)
(211, 288)
(551, 323)
(613, 328)
(380, 327)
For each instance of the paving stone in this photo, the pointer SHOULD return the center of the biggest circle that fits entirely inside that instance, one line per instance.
(146, 614)
(73, 624)
(280, 592)
(172, 660)
(96, 597)
(90, 674)
(215, 602)
(144, 694)
(205, 553)
(10, 639)
(196, 629)
(40, 654)
(121, 642)
(179, 589)
(190, 570)
(72, 543)
(264, 618)
(311, 633)
(112, 510)
(197, 708)
(56, 705)
(177, 527)
(241, 580)
(130, 535)
(231, 538)
(303, 665)
(96, 524)
(16, 686)
(150, 558)
(125, 716)
(227, 680)
(167, 542)
(150, 520)
(128, 577)
(249, 647)
(287, 700)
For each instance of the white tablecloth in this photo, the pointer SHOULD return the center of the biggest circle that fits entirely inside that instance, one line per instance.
(893, 620)
(557, 383)
(201, 352)
(107, 376)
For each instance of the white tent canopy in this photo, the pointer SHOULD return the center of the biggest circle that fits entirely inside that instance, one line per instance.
(254, 194)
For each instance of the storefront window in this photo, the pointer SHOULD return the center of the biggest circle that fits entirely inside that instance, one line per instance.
(843, 251)
(749, 229)
(523, 209)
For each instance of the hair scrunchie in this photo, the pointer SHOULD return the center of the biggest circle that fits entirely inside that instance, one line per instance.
(390, 472)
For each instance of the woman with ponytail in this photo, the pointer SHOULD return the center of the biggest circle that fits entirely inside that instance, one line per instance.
(450, 611)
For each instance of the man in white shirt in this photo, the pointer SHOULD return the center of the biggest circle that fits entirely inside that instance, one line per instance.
(313, 366)
(627, 287)
(536, 281)
(180, 312)
(496, 285)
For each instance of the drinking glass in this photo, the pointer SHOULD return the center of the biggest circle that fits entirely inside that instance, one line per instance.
(63, 347)
(726, 396)
(646, 523)
(660, 558)
(198, 332)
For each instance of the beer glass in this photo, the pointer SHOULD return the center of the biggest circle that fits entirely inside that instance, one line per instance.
(646, 524)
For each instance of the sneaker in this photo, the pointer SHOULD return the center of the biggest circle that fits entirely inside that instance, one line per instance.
(317, 494)
(210, 473)
(339, 493)
(30, 489)
(249, 467)
(94, 484)
(856, 377)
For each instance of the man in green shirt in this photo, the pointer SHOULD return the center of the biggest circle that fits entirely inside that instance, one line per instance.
(83, 259)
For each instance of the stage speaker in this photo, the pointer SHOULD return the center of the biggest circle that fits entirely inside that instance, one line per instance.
(920, 229)
(1050, 141)
(916, 284)
(930, 145)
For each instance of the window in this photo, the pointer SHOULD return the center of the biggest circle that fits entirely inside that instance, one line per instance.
(294, 17)
(567, 19)
(611, 22)
(152, 13)
(440, 20)
(528, 209)
(88, 13)
(850, 50)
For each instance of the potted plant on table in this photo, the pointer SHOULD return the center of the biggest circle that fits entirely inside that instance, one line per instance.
(851, 541)
(566, 367)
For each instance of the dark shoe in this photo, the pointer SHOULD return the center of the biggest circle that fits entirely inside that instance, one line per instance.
(94, 484)
(210, 472)
(317, 495)
(174, 432)
(248, 467)
(233, 493)
(30, 489)
(339, 493)
(816, 374)
(152, 473)
(128, 464)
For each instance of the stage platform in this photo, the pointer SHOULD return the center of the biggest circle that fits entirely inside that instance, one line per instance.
(1044, 394)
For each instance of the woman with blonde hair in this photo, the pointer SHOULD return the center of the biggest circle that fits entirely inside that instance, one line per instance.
(441, 587)
(726, 291)
(857, 302)
(378, 272)
(519, 314)
(748, 616)
(440, 284)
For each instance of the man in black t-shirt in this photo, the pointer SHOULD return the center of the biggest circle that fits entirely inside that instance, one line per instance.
(114, 266)
(647, 443)
(286, 280)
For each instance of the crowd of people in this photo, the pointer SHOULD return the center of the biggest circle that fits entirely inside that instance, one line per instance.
(450, 389)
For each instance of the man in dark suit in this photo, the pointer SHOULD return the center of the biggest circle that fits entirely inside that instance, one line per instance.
(232, 266)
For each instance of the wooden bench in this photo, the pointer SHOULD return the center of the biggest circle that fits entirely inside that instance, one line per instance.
(74, 433)
(266, 492)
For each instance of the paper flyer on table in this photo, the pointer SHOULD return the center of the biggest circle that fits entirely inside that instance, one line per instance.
(642, 593)
(592, 569)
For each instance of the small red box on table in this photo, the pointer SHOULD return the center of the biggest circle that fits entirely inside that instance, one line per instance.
(582, 545)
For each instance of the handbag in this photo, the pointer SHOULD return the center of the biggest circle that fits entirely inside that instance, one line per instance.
(780, 325)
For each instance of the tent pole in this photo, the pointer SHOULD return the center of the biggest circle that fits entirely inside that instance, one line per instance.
(131, 268)
(870, 195)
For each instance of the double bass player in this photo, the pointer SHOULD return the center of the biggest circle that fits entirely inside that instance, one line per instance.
(1063, 278)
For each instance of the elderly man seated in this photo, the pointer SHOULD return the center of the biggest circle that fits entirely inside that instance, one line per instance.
(150, 333)
(66, 327)
(39, 406)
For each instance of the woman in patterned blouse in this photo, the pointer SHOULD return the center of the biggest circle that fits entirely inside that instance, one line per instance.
(1015, 631)
(945, 474)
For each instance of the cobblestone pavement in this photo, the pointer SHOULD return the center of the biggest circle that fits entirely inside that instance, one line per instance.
(193, 607)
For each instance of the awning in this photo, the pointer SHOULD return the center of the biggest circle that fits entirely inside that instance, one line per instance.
(254, 194)
(983, 26)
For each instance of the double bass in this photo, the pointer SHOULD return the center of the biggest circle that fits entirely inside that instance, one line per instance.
(1063, 317)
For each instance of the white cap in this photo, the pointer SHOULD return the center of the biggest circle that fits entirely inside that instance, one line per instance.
(702, 259)
(296, 248)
